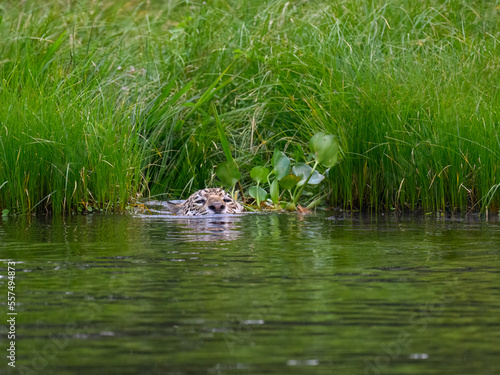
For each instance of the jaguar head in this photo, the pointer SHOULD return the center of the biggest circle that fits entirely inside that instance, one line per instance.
(212, 201)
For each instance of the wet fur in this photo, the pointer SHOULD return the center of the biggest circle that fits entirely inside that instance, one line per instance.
(211, 201)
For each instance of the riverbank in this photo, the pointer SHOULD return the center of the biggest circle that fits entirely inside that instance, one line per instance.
(103, 103)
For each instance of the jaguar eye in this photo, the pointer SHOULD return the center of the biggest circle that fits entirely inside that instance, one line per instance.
(228, 199)
(199, 201)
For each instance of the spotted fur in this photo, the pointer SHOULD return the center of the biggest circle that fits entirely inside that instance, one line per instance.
(206, 202)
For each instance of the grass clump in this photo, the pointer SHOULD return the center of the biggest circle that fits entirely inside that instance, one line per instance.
(102, 102)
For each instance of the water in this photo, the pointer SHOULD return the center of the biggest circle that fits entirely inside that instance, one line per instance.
(253, 294)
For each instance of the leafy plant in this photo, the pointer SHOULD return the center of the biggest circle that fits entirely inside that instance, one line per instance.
(325, 151)
(258, 174)
(229, 174)
(281, 164)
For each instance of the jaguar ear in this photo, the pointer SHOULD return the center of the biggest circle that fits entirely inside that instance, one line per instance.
(176, 209)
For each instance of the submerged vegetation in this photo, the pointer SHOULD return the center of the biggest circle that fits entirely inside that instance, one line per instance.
(102, 102)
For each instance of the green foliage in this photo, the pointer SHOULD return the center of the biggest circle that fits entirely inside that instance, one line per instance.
(259, 174)
(289, 182)
(257, 193)
(306, 173)
(274, 191)
(222, 136)
(102, 103)
(325, 149)
(280, 163)
(228, 173)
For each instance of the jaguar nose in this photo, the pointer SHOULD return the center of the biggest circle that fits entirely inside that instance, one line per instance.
(217, 207)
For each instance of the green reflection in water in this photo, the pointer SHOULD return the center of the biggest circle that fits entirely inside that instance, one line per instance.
(254, 294)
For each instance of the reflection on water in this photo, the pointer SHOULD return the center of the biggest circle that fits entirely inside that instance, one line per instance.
(254, 294)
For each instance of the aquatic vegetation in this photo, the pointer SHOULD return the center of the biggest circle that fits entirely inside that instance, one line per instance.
(104, 103)
(325, 150)
(259, 174)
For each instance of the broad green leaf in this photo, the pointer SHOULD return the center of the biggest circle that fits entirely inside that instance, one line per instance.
(303, 171)
(228, 173)
(280, 163)
(274, 191)
(290, 206)
(288, 182)
(257, 190)
(259, 174)
(5, 212)
(325, 149)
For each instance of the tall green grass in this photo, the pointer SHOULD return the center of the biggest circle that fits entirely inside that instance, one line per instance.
(104, 102)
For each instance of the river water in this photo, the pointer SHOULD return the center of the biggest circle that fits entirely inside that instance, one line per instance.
(252, 294)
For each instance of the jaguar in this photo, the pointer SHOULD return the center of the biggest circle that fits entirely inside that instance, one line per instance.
(206, 202)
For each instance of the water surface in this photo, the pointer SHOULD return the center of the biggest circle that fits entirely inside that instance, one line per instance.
(253, 294)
